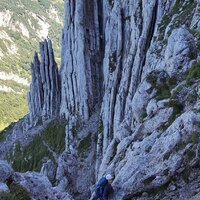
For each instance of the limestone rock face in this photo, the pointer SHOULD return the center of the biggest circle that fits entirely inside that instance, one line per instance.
(37, 184)
(142, 51)
(82, 51)
(44, 95)
(48, 169)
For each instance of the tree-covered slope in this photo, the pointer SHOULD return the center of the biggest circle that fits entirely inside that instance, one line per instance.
(23, 24)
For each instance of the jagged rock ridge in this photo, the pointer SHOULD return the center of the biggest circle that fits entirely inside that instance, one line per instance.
(44, 95)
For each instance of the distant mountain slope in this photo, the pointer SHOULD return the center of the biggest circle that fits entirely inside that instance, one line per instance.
(23, 24)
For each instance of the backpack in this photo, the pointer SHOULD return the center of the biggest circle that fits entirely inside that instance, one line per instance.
(100, 187)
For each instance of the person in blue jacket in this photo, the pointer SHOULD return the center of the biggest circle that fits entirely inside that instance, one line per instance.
(108, 189)
(103, 188)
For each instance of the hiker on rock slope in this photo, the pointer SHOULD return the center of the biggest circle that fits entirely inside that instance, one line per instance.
(103, 188)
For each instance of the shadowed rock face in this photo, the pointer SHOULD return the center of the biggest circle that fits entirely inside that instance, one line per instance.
(82, 50)
(44, 94)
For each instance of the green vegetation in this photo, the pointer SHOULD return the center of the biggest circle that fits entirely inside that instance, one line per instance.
(192, 98)
(143, 115)
(163, 87)
(54, 135)
(186, 174)
(153, 191)
(84, 144)
(193, 73)
(13, 107)
(2, 137)
(152, 78)
(195, 137)
(180, 146)
(39, 122)
(30, 14)
(17, 192)
(149, 180)
(190, 155)
(177, 109)
(183, 17)
(112, 62)
(31, 157)
(163, 90)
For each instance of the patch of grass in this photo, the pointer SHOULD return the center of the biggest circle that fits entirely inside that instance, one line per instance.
(39, 122)
(163, 25)
(2, 137)
(152, 78)
(17, 192)
(190, 154)
(195, 137)
(162, 188)
(163, 87)
(180, 146)
(198, 45)
(84, 144)
(177, 109)
(193, 73)
(31, 156)
(163, 90)
(6, 196)
(182, 17)
(143, 115)
(192, 98)
(149, 180)
(54, 135)
(186, 174)
(194, 193)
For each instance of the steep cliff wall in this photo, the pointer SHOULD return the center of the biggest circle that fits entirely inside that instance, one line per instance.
(144, 53)
(81, 58)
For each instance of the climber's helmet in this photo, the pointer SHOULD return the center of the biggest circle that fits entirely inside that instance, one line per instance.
(109, 178)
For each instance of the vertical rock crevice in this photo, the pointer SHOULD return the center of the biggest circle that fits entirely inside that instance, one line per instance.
(150, 33)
